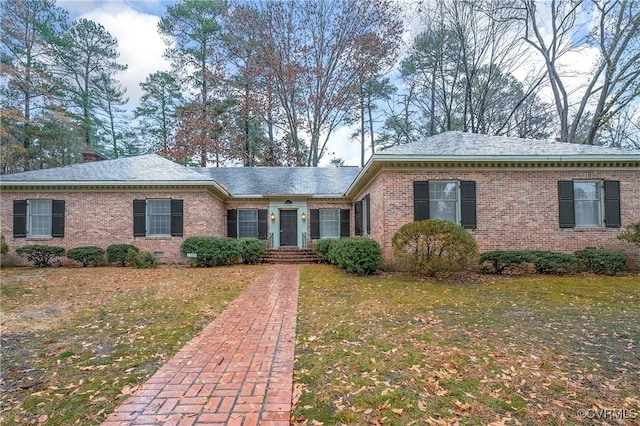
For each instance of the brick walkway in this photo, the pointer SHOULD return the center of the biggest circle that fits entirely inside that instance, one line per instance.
(237, 371)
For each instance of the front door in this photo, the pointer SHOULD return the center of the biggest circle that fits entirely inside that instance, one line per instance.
(288, 227)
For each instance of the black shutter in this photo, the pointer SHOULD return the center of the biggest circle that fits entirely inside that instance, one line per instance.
(314, 218)
(420, 200)
(468, 204)
(57, 218)
(139, 218)
(357, 208)
(612, 203)
(366, 201)
(19, 218)
(345, 222)
(262, 224)
(567, 217)
(232, 223)
(177, 221)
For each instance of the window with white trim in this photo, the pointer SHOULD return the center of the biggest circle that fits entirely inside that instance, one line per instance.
(588, 203)
(39, 213)
(158, 217)
(248, 223)
(329, 223)
(443, 200)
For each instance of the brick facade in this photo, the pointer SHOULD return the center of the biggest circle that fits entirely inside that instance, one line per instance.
(106, 217)
(515, 209)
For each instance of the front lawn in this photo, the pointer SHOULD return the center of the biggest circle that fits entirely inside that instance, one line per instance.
(77, 341)
(396, 350)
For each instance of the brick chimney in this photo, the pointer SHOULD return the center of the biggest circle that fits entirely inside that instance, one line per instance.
(90, 156)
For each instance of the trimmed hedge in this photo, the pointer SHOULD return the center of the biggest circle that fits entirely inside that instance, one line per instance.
(89, 255)
(40, 255)
(252, 250)
(548, 262)
(504, 259)
(4, 247)
(118, 253)
(434, 245)
(212, 251)
(601, 261)
(356, 255)
(141, 260)
(321, 249)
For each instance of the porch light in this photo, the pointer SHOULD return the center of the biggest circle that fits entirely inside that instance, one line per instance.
(273, 216)
(304, 216)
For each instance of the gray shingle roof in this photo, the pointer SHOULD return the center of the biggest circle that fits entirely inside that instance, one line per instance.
(471, 144)
(283, 180)
(143, 168)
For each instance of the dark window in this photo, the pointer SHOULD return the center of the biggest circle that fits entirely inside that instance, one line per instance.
(38, 218)
(589, 204)
(158, 217)
(247, 223)
(448, 200)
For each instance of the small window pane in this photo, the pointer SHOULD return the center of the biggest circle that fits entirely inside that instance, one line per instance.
(247, 223)
(39, 218)
(329, 223)
(443, 201)
(158, 217)
(587, 204)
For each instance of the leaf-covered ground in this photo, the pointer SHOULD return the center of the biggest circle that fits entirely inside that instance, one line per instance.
(398, 350)
(77, 341)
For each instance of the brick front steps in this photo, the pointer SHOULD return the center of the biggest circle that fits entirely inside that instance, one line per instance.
(289, 255)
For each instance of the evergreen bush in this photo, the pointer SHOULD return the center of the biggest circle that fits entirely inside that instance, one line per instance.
(499, 260)
(434, 245)
(212, 251)
(89, 255)
(118, 253)
(549, 262)
(40, 255)
(252, 250)
(356, 255)
(321, 249)
(601, 261)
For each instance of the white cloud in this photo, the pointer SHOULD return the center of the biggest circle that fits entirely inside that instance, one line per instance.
(341, 145)
(139, 43)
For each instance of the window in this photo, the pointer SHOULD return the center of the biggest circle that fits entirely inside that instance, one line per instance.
(39, 213)
(38, 218)
(589, 204)
(329, 223)
(157, 217)
(247, 223)
(449, 200)
(362, 214)
(443, 200)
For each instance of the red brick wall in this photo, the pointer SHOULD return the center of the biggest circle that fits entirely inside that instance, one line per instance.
(515, 209)
(104, 218)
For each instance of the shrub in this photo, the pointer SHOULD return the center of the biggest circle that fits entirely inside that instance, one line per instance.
(602, 261)
(631, 234)
(212, 251)
(504, 259)
(40, 255)
(89, 255)
(434, 245)
(117, 253)
(142, 260)
(356, 255)
(252, 250)
(321, 249)
(4, 247)
(549, 262)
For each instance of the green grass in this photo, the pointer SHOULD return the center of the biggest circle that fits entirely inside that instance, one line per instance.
(399, 350)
